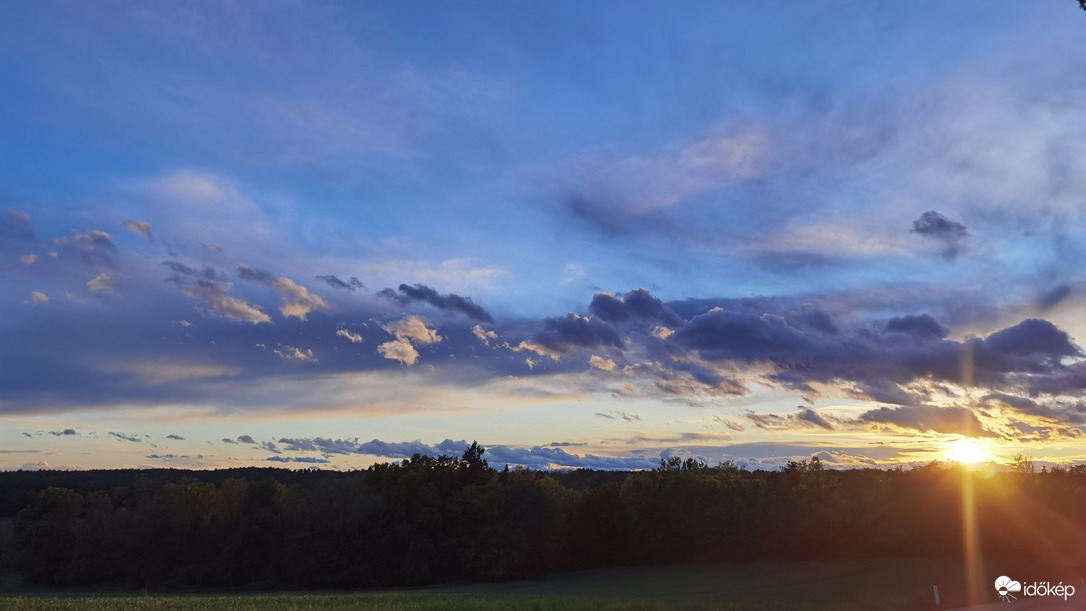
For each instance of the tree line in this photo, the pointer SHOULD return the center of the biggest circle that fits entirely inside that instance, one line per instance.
(439, 519)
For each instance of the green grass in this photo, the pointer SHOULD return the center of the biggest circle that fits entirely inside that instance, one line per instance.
(398, 602)
(870, 585)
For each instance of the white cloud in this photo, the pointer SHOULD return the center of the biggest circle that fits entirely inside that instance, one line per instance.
(355, 338)
(408, 330)
(662, 332)
(413, 328)
(643, 183)
(399, 350)
(530, 346)
(291, 353)
(574, 272)
(143, 229)
(39, 297)
(101, 282)
(156, 373)
(225, 305)
(28, 259)
(457, 275)
(295, 300)
(483, 335)
(601, 363)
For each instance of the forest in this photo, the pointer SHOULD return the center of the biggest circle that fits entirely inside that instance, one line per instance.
(428, 520)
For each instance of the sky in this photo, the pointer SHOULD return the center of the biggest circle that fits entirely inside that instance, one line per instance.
(329, 234)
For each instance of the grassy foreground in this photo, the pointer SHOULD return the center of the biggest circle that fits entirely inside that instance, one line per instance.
(870, 585)
(398, 602)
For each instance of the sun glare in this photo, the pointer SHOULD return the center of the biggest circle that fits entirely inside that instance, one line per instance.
(967, 452)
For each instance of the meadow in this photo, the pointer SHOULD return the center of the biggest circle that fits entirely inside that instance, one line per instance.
(759, 586)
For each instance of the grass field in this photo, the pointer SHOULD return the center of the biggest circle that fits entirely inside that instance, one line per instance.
(843, 585)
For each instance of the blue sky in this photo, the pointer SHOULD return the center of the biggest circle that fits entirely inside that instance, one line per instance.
(583, 234)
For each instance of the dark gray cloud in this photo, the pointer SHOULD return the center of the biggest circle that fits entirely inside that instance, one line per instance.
(420, 293)
(96, 247)
(923, 326)
(803, 417)
(1052, 297)
(183, 274)
(564, 333)
(1027, 356)
(617, 415)
(295, 300)
(935, 226)
(269, 446)
(228, 440)
(1073, 412)
(175, 437)
(210, 287)
(123, 437)
(353, 285)
(924, 418)
(298, 459)
(638, 305)
(169, 457)
(538, 457)
(143, 229)
(63, 433)
(246, 439)
(15, 226)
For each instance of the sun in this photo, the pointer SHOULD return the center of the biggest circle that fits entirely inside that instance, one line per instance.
(966, 452)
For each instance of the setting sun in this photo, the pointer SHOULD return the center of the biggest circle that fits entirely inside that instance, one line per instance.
(965, 451)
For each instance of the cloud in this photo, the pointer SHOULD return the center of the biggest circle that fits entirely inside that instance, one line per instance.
(923, 326)
(28, 259)
(295, 301)
(420, 293)
(802, 349)
(175, 437)
(925, 418)
(935, 226)
(143, 229)
(39, 297)
(803, 417)
(636, 305)
(563, 334)
(210, 286)
(228, 440)
(15, 224)
(224, 305)
(123, 437)
(731, 424)
(413, 328)
(246, 439)
(483, 335)
(614, 414)
(151, 372)
(96, 247)
(611, 194)
(399, 350)
(101, 282)
(65, 432)
(334, 282)
(291, 353)
(601, 363)
(538, 457)
(354, 338)
(572, 273)
(298, 459)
